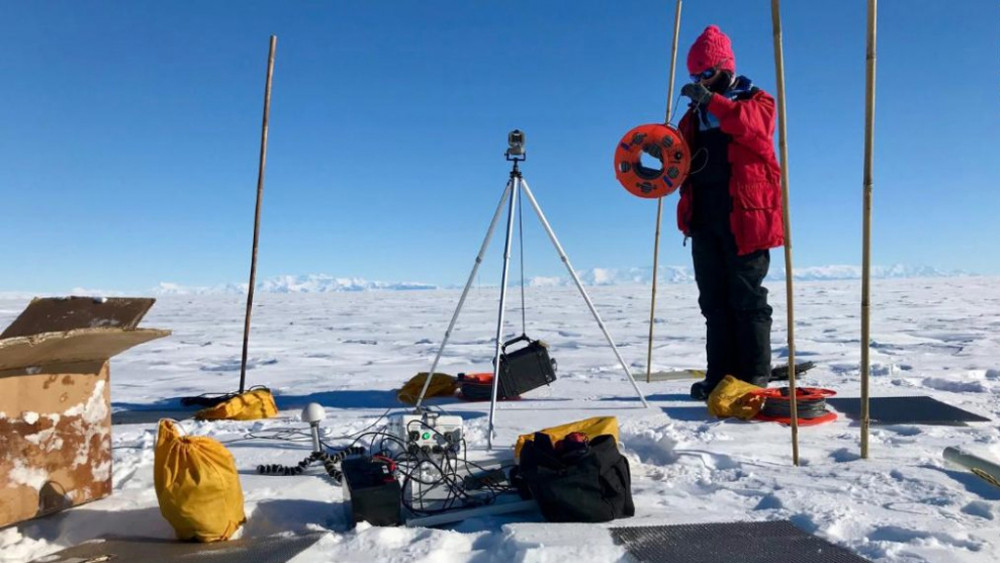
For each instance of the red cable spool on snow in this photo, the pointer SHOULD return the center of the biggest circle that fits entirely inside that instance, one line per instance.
(673, 153)
(811, 402)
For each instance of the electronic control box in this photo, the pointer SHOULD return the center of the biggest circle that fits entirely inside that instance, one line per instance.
(428, 432)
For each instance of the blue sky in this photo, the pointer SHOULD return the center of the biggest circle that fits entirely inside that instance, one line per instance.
(131, 133)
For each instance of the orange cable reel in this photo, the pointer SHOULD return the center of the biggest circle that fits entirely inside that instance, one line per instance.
(808, 398)
(659, 140)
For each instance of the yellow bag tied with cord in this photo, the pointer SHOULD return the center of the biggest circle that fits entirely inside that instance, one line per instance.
(442, 385)
(252, 405)
(733, 397)
(591, 427)
(197, 485)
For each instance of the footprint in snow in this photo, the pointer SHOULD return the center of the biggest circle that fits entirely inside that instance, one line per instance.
(905, 430)
(844, 455)
(898, 534)
(979, 508)
(769, 502)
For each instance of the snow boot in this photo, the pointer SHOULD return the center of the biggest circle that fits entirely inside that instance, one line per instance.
(701, 390)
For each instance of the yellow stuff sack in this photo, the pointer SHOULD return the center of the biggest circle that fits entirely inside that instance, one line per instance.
(258, 403)
(591, 427)
(197, 485)
(733, 397)
(442, 385)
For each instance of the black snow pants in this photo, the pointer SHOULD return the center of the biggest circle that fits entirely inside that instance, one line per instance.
(734, 304)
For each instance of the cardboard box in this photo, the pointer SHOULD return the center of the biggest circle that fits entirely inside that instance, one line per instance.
(55, 401)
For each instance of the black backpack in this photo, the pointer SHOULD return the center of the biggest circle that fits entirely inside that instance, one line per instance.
(591, 483)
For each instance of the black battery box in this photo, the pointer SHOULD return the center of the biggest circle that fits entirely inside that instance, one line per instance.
(371, 491)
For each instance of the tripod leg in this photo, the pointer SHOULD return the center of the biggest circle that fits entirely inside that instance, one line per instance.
(468, 284)
(503, 296)
(572, 272)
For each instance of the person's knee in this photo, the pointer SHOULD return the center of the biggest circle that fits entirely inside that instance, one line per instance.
(752, 308)
(743, 298)
(713, 307)
(755, 315)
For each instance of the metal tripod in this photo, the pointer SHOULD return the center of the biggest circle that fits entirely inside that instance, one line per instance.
(516, 185)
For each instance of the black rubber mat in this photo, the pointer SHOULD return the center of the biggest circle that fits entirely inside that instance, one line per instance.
(271, 549)
(905, 410)
(746, 542)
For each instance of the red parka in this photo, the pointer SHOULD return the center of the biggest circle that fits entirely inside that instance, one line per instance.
(755, 179)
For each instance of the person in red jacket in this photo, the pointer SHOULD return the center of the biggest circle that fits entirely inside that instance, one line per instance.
(730, 207)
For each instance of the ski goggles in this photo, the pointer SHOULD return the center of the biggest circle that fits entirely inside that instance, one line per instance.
(704, 75)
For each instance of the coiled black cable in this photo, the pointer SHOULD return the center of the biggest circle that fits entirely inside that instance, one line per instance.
(330, 464)
(809, 405)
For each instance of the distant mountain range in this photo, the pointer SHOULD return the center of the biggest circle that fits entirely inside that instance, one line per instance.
(682, 274)
(312, 283)
(322, 283)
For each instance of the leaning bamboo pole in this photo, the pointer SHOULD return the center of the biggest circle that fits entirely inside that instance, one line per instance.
(256, 216)
(659, 200)
(867, 210)
(779, 69)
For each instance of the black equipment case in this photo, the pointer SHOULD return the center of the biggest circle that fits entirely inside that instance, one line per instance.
(521, 370)
(525, 368)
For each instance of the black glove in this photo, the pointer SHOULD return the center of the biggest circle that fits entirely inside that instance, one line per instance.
(699, 94)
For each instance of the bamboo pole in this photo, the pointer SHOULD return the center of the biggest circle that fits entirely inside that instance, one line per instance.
(652, 301)
(256, 216)
(867, 210)
(673, 61)
(659, 200)
(779, 69)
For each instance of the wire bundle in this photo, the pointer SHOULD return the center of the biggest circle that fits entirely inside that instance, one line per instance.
(434, 481)
(330, 464)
